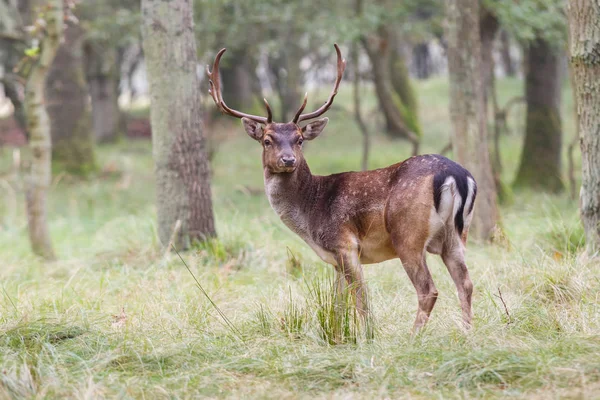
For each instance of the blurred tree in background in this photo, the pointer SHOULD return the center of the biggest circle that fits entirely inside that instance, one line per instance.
(182, 173)
(45, 37)
(468, 108)
(68, 106)
(276, 48)
(112, 27)
(540, 28)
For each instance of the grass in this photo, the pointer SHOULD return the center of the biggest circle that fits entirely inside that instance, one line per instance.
(117, 317)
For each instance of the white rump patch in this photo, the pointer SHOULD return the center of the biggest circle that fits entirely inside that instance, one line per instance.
(450, 199)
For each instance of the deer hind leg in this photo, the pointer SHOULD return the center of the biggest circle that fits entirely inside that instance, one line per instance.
(415, 266)
(454, 258)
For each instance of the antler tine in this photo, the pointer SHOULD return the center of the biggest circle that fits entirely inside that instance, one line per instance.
(215, 92)
(341, 66)
(295, 120)
(269, 112)
(214, 80)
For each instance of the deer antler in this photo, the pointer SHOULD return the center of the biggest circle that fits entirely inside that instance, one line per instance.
(341, 66)
(215, 92)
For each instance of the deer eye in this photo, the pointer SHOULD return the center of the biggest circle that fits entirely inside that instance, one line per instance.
(267, 142)
(300, 140)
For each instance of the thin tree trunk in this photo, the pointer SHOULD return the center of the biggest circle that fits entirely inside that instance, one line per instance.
(68, 108)
(40, 140)
(541, 157)
(178, 142)
(507, 62)
(102, 75)
(584, 32)
(364, 129)
(467, 109)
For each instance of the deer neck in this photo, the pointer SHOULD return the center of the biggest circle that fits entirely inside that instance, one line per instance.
(291, 195)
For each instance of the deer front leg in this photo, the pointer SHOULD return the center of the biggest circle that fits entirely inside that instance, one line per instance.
(350, 269)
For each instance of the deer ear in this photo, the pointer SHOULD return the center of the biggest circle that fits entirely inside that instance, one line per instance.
(314, 129)
(253, 129)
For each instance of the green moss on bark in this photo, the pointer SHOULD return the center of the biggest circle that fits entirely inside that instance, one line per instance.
(540, 161)
(75, 155)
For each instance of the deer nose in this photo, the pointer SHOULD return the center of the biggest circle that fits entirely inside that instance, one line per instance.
(288, 161)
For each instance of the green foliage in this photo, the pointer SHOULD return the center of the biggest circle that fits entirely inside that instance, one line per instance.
(529, 19)
(32, 51)
(113, 22)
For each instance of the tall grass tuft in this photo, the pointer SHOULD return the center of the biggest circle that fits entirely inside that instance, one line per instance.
(336, 314)
(263, 320)
(565, 237)
(230, 253)
(294, 319)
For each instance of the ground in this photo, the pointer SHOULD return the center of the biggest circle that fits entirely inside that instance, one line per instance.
(116, 316)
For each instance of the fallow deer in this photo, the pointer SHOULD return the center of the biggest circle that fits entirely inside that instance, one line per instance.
(423, 204)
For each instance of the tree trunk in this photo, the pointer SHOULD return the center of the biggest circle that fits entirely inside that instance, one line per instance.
(285, 67)
(584, 29)
(102, 75)
(488, 29)
(40, 139)
(467, 109)
(364, 128)
(403, 88)
(67, 94)
(238, 80)
(422, 60)
(12, 46)
(178, 142)
(541, 157)
(378, 50)
(507, 61)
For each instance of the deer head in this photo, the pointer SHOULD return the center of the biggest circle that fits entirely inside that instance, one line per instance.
(281, 142)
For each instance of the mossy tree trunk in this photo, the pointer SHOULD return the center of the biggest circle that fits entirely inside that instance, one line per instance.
(403, 87)
(40, 140)
(467, 109)
(102, 75)
(584, 48)
(400, 123)
(540, 166)
(178, 143)
(68, 107)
